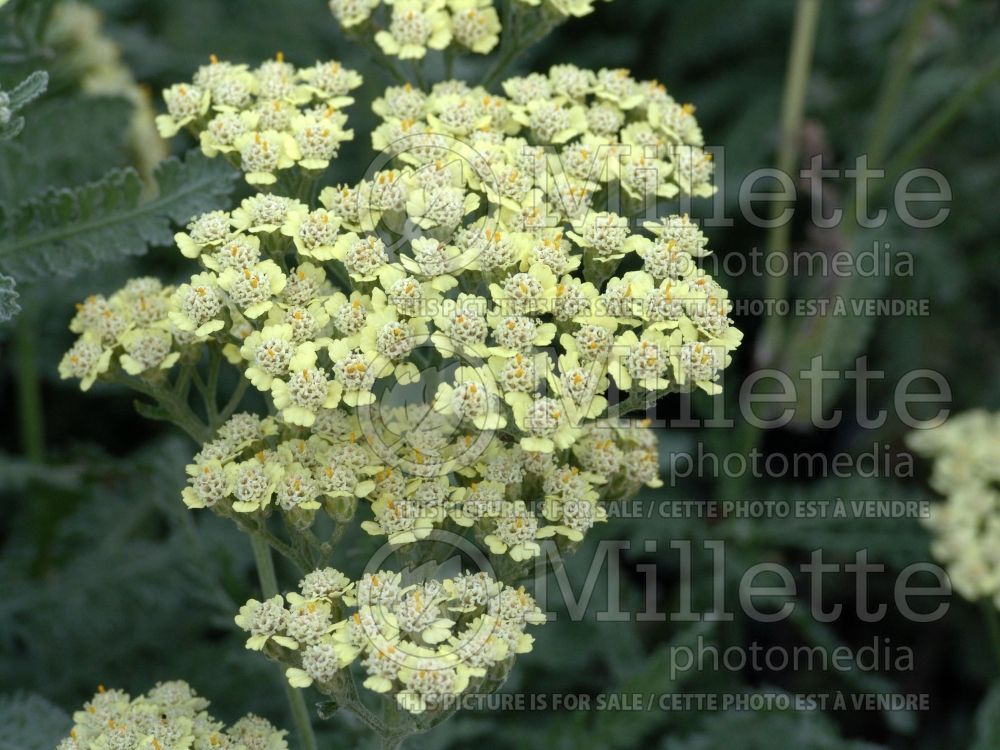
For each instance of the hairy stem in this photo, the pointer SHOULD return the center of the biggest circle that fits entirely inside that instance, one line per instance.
(269, 588)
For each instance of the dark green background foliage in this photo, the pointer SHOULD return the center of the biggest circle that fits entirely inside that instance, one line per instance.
(105, 578)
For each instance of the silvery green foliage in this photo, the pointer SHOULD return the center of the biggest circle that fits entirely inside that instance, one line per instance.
(64, 230)
(29, 722)
(11, 102)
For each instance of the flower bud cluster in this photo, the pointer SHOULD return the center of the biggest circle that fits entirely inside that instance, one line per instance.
(171, 716)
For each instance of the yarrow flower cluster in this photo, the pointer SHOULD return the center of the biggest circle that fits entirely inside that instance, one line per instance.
(966, 527)
(171, 716)
(425, 643)
(491, 261)
(267, 119)
(130, 329)
(431, 479)
(407, 29)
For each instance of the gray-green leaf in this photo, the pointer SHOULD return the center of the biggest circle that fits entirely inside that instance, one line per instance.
(64, 230)
(27, 90)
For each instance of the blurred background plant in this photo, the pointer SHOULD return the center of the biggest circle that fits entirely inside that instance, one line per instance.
(108, 579)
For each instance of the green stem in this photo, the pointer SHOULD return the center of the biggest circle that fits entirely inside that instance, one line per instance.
(172, 403)
(257, 527)
(354, 702)
(891, 91)
(511, 45)
(895, 81)
(212, 386)
(380, 58)
(800, 62)
(825, 326)
(29, 388)
(418, 75)
(269, 588)
(635, 400)
(501, 65)
(233, 404)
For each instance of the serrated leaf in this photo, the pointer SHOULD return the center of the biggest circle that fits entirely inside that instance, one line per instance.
(64, 230)
(29, 722)
(8, 299)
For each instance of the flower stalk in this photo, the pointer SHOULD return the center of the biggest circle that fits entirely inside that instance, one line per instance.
(269, 587)
(798, 71)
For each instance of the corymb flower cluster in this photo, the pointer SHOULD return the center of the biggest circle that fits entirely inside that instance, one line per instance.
(966, 527)
(507, 497)
(267, 119)
(170, 716)
(504, 260)
(426, 643)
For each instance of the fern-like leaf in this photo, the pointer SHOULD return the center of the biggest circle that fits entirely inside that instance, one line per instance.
(64, 230)
(26, 91)
(29, 89)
